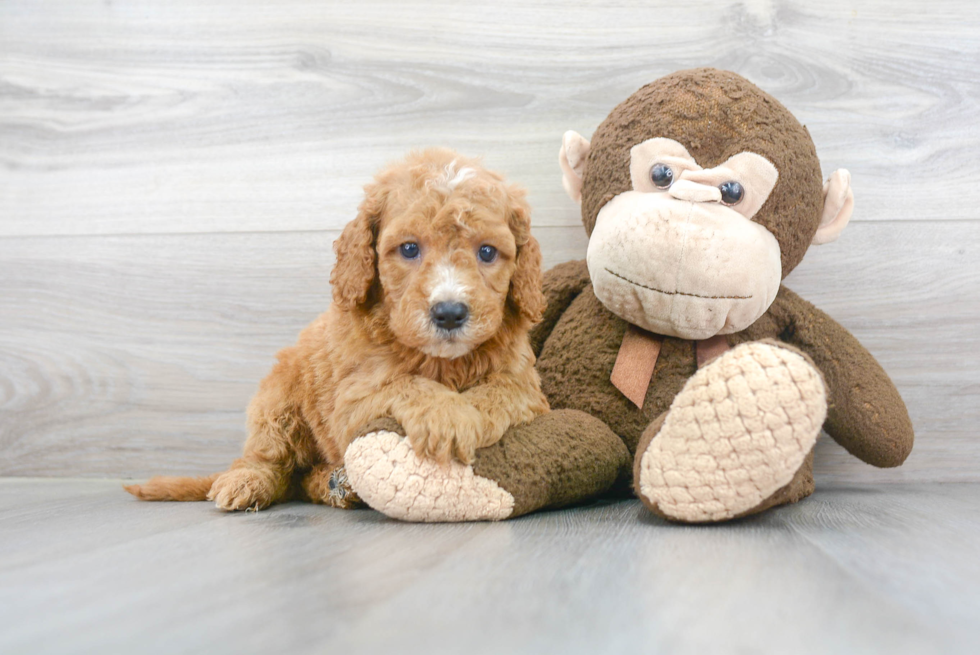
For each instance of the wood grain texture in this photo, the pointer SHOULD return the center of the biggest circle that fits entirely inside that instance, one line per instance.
(127, 355)
(123, 355)
(183, 116)
(849, 570)
(172, 175)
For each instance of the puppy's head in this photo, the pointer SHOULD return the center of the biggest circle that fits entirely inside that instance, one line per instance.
(442, 249)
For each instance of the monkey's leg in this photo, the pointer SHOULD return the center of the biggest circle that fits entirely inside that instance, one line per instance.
(557, 459)
(737, 439)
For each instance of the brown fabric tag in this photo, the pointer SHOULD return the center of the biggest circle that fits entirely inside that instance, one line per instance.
(708, 349)
(635, 363)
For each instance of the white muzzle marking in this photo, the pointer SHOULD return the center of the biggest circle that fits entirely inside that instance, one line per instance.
(448, 286)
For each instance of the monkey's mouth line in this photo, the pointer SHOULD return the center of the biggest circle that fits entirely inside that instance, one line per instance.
(674, 293)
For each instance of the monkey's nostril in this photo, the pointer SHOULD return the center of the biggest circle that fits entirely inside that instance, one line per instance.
(449, 315)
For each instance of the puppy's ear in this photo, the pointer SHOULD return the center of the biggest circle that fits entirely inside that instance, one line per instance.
(356, 265)
(525, 284)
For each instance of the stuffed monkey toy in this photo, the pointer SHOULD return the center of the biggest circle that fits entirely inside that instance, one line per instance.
(674, 360)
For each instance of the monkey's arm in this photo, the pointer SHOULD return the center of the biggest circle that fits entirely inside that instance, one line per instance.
(865, 413)
(562, 284)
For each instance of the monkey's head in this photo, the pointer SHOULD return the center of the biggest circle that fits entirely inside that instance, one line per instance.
(700, 193)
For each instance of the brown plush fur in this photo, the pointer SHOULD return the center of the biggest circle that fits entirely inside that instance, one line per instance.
(715, 114)
(557, 459)
(577, 353)
(376, 353)
(585, 445)
(865, 413)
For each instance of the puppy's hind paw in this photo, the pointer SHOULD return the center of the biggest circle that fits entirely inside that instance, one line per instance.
(388, 475)
(244, 489)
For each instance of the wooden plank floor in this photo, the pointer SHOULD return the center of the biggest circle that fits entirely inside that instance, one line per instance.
(85, 568)
(172, 175)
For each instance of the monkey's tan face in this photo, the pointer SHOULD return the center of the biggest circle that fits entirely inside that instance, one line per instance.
(679, 254)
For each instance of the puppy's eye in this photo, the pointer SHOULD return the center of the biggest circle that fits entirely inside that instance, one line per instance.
(731, 193)
(661, 175)
(409, 250)
(487, 254)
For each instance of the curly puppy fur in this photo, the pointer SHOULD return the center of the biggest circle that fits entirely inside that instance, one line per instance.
(378, 352)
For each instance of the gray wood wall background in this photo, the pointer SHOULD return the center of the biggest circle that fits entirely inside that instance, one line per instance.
(173, 172)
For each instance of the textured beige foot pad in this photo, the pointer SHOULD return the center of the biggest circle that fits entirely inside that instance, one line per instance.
(736, 433)
(388, 475)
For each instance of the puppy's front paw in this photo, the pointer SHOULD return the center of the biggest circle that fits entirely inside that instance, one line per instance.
(243, 488)
(449, 427)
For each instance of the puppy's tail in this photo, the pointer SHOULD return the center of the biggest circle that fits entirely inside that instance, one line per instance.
(166, 488)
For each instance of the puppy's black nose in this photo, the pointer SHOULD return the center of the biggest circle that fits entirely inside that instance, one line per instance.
(449, 315)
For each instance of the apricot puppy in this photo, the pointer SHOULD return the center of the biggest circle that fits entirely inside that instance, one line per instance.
(436, 285)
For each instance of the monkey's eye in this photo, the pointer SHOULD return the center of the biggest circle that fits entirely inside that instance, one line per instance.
(487, 253)
(661, 175)
(731, 193)
(409, 250)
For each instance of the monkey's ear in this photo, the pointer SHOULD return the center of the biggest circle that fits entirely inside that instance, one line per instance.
(574, 152)
(838, 205)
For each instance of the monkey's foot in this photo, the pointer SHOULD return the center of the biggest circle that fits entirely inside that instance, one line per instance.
(387, 474)
(736, 434)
